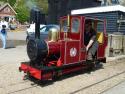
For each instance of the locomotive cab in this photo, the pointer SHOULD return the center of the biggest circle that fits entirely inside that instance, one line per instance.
(66, 52)
(73, 38)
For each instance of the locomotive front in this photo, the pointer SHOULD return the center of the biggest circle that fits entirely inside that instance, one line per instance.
(41, 51)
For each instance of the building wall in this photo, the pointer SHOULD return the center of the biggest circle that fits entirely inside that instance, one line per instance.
(112, 18)
(121, 25)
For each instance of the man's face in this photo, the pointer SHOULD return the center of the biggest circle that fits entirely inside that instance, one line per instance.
(88, 27)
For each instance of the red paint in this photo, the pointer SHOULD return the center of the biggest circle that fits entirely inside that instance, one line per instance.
(53, 47)
(59, 62)
(32, 71)
(24, 67)
(35, 73)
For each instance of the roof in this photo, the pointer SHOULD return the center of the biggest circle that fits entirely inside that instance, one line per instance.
(99, 9)
(7, 4)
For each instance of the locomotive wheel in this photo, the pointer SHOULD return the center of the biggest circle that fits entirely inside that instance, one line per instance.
(37, 49)
(57, 75)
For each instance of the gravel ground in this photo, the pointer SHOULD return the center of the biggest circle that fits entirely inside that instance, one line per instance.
(11, 79)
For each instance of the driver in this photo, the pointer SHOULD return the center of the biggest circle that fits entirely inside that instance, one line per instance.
(90, 40)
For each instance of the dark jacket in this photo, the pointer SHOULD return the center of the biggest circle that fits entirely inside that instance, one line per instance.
(91, 35)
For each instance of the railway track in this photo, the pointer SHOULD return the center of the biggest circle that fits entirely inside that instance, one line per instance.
(81, 89)
(21, 90)
(18, 83)
(111, 87)
(76, 91)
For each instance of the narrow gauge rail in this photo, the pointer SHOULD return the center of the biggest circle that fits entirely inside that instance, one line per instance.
(98, 82)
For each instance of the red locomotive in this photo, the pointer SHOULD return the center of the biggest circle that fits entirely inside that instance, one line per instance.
(64, 51)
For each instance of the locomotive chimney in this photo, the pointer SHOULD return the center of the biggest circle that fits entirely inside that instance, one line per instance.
(35, 17)
(37, 24)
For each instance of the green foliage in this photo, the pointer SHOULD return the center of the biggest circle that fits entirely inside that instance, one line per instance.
(22, 7)
(11, 2)
(22, 12)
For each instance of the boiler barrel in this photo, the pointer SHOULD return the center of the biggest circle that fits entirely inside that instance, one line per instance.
(40, 49)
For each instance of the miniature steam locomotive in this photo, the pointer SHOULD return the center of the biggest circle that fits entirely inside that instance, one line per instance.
(64, 51)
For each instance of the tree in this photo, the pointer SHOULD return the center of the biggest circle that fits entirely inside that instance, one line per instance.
(22, 11)
(22, 14)
(11, 2)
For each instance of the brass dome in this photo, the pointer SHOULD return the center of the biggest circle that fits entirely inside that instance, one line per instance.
(53, 34)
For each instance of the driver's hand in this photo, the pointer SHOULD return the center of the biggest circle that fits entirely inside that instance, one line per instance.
(87, 48)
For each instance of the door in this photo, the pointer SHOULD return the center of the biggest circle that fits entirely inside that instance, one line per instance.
(72, 44)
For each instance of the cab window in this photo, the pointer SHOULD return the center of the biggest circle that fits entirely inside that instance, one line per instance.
(64, 27)
(75, 25)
